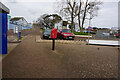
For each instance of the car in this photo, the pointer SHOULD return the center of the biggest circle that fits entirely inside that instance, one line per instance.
(118, 35)
(78, 31)
(85, 31)
(65, 34)
(47, 34)
(92, 32)
(106, 34)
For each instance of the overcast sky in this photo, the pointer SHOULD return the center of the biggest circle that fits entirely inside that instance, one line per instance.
(32, 9)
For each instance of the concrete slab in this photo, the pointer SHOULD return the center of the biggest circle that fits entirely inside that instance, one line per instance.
(104, 42)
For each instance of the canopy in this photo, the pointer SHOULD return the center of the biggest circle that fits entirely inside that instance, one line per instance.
(4, 9)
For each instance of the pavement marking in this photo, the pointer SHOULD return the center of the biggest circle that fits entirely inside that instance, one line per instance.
(104, 42)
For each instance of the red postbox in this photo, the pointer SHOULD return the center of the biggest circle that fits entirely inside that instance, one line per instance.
(54, 33)
(53, 36)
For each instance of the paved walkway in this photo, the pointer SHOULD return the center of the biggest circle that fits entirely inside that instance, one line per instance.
(37, 60)
(31, 60)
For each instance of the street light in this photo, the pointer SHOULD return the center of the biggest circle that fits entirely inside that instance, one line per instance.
(89, 28)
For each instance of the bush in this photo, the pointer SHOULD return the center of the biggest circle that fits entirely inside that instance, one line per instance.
(80, 33)
(43, 29)
(20, 38)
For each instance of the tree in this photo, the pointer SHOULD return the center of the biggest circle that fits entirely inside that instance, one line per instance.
(95, 28)
(84, 15)
(48, 21)
(81, 9)
(41, 22)
(85, 8)
(68, 9)
(79, 13)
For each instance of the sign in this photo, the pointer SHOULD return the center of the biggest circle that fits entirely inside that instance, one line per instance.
(89, 28)
(64, 27)
(15, 29)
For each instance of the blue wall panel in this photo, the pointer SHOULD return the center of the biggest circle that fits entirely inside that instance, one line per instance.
(0, 33)
(4, 33)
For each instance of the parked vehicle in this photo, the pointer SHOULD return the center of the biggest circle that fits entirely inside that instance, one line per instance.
(65, 34)
(106, 34)
(118, 35)
(78, 31)
(85, 31)
(47, 34)
(92, 32)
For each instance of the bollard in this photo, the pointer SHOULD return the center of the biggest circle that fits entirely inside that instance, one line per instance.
(53, 44)
(19, 35)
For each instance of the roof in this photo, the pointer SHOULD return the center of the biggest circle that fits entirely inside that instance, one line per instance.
(4, 9)
(16, 18)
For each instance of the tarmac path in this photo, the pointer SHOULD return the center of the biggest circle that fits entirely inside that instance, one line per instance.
(36, 60)
(29, 60)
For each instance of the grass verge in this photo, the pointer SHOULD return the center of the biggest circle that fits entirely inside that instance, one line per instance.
(20, 38)
(43, 29)
(81, 33)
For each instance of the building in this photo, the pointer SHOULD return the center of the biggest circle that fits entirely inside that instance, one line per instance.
(58, 25)
(114, 30)
(9, 18)
(76, 27)
(62, 25)
(19, 21)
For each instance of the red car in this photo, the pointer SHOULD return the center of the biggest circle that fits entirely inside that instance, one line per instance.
(65, 34)
(118, 35)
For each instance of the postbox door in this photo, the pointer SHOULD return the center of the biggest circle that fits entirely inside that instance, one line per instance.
(54, 33)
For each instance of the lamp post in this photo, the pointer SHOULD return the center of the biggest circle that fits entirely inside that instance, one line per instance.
(89, 28)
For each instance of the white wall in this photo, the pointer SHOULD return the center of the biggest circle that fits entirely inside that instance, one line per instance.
(77, 27)
(58, 25)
